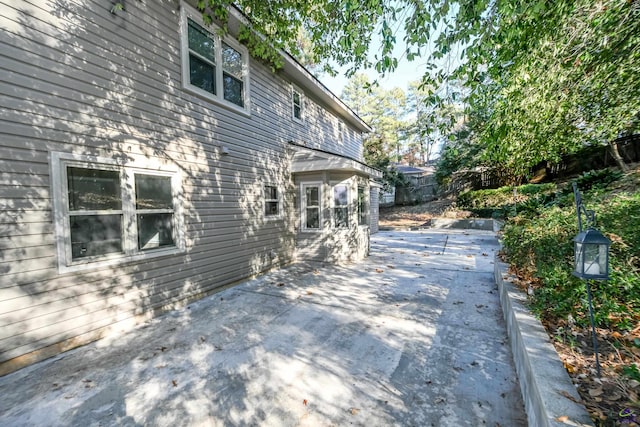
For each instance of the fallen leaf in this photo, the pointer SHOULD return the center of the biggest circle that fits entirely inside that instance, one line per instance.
(469, 256)
(304, 402)
(485, 254)
(309, 293)
(379, 270)
(175, 383)
(390, 266)
(280, 284)
(354, 411)
(562, 418)
(569, 367)
(594, 392)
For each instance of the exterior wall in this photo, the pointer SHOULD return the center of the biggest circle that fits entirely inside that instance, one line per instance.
(329, 243)
(320, 130)
(79, 80)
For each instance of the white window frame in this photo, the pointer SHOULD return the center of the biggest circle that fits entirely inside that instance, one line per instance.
(130, 251)
(347, 184)
(367, 203)
(341, 131)
(187, 12)
(278, 200)
(303, 206)
(294, 91)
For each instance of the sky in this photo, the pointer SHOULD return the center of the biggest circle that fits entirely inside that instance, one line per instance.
(406, 72)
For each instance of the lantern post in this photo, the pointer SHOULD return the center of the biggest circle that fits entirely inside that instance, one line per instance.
(591, 258)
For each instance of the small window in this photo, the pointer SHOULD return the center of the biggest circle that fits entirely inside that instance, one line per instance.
(341, 206)
(363, 206)
(107, 212)
(213, 67)
(271, 201)
(311, 207)
(296, 101)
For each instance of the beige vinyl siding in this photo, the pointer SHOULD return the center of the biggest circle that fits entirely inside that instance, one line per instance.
(76, 79)
(374, 195)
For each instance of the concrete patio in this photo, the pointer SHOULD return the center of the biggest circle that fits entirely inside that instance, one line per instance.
(413, 336)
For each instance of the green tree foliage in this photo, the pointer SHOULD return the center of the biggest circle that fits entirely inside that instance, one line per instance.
(559, 75)
(384, 111)
(549, 77)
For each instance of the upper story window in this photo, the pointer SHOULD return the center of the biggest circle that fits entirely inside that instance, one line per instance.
(271, 201)
(297, 104)
(341, 131)
(107, 213)
(213, 67)
(341, 206)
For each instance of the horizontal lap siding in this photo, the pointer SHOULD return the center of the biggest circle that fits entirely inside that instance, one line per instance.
(79, 80)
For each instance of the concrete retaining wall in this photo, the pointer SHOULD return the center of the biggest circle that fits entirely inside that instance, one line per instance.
(544, 382)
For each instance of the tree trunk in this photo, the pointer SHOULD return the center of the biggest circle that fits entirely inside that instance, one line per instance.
(613, 147)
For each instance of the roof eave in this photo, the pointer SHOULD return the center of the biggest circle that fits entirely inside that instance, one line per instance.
(303, 78)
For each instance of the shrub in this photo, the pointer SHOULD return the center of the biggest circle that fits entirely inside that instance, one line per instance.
(541, 247)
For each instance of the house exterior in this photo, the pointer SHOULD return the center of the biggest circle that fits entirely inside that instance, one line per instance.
(146, 161)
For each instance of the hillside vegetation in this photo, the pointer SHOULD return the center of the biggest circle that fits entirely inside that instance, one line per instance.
(540, 225)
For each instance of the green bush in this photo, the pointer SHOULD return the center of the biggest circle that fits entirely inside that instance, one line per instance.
(541, 247)
(598, 178)
(505, 202)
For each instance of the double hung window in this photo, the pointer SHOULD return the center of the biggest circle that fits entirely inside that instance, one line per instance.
(271, 201)
(297, 104)
(341, 206)
(213, 67)
(311, 206)
(154, 211)
(106, 213)
(363, 206)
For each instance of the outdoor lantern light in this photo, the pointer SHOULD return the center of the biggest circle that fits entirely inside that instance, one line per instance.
(591, 255)
(591, 249)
